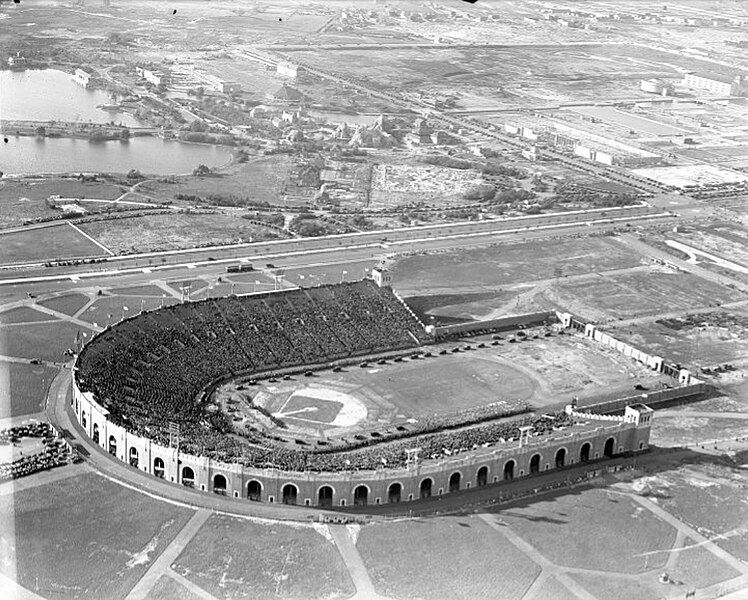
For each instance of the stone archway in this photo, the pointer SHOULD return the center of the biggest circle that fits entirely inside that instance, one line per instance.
(509, 470)
(219, 484)
(159, 469)
(425, 488)
(535, 463)
(610, 448)
(188, 477)
(325, 496)
(584, 452)
(361, 496)
(112, 445)
(394, 492)
(454, 482)
(560, 457)
(254, 491)
(290, 493)
(481, 477)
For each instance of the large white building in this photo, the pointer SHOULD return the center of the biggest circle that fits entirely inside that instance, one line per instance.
(719, 85)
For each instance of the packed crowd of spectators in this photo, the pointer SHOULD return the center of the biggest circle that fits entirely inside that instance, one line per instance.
(52, 452)
(385, 453)
(150, 369)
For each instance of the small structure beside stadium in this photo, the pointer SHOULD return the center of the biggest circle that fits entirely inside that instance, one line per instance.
(139, 379)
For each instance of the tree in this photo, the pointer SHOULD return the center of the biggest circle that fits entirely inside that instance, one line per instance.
(41, 131)
(198, 126)
(201, 170)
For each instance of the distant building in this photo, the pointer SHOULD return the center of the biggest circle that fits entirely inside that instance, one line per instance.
(656, 86)
(421, 132)
(290, 70)
(720, 85)
(17, 62)
(82, 77)
(229, 87)
(151, 76)
(286, 95)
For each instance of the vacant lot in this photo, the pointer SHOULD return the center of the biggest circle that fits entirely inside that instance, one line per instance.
(465, 559)
(23, 388)
(174, 231)
(84, 537)
(234, 558)
(25, 199)
(49, 243)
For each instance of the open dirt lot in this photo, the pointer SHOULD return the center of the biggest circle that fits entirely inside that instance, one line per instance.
(174, 231)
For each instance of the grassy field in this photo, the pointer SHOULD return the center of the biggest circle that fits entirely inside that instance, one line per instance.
(138, 290)
(68, 304)
(24, 315)
(174, 231)
(602, 586)
(478, 269)
(627, 295)
(553, 590)
(100, 310)
(261, 180)
(465, 559)
(84, 537)
(24, 199)
(579, 530)
(59, 242)
(234, 558)
(45, 341)
(23, 388)
(168, 589)
(689, 429)
(697, 567)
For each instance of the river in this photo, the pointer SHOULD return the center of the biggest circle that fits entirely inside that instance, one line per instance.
(52, 95)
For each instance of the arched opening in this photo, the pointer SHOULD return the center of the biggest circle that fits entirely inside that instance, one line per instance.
(609, 449)
(289, 493)
(426, 488)
(112, 445)
(324, 496)
(560, 457)
(158, 467)
(219, 484)
(394, 492)
(584, 452)
(254, 491)
(535, 463)
(509, 470)
(360, 496)
(133, 457)
(482, 477)
(96, 433)
(188, 477)
(454, 482)
(83, 418)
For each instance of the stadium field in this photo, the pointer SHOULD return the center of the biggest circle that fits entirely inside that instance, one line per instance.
(84, 537)
(235, 558)
(68, 304)
(23, 388)
(60, 242)
(466, 559)
(546, 372)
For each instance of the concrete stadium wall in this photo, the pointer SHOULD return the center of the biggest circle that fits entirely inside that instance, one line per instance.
(627, 437)
(527, 320)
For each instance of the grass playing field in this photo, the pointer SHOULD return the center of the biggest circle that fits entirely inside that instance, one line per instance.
(45, 341)
(235, 558)
(445, 558)
(84, 537)
(168, 589)
(59, 242)
(23, 388)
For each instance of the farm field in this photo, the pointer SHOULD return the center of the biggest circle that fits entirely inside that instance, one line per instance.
(111, 534)
(466, 559)
(235, 558)
(23, 387)
(25, 200)
(61, 242)
(174, 231)
(68, 304)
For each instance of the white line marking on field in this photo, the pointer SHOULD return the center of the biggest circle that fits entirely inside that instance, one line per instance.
(85, 235)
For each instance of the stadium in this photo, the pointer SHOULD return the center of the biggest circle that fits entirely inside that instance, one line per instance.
(339, 396)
